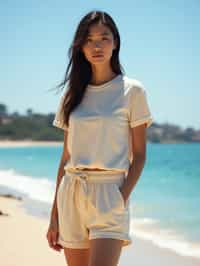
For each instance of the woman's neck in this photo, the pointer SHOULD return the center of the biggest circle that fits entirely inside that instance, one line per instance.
(101, 76)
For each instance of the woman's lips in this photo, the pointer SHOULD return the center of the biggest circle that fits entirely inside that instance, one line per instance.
(98, 55)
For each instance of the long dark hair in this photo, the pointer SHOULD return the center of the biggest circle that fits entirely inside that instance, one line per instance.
(79, 72)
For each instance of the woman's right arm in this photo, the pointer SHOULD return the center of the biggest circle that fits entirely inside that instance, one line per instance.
(64, 158)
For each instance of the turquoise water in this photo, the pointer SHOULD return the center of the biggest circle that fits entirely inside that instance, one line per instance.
(164, 202)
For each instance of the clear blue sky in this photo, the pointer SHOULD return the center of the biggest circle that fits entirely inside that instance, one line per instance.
(160, 46)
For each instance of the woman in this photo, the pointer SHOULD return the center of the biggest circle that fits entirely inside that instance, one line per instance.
(104, 115)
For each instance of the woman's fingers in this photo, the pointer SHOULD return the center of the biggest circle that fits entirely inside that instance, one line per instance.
(57, 247)
(52, 237)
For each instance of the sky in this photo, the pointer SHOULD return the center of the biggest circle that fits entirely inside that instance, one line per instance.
(160, 47)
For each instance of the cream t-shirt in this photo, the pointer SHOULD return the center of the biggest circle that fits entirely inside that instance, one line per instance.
(99, 132)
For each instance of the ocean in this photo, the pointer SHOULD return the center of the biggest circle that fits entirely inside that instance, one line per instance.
(164, 204)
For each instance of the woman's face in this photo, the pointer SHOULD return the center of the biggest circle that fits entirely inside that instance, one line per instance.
(99, 44)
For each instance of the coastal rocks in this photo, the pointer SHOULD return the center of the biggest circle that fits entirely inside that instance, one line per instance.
(3, 213)
(8, 196)
(11, 196)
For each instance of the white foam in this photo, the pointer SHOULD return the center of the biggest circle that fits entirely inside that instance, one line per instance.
(36, 188)
(148, 229)
(43, 189)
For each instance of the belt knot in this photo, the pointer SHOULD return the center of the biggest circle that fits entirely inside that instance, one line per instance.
(78, 183)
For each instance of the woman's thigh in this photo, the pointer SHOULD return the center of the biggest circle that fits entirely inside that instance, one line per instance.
(105, 251)
(77, 257)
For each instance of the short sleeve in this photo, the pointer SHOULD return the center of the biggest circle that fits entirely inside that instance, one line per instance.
(139, 108)
(59, 118)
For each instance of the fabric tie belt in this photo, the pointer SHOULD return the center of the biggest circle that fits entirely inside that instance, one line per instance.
(78, 182)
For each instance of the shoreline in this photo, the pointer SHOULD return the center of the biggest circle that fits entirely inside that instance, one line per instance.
(24, 236)
(27, 143)
(50, 143)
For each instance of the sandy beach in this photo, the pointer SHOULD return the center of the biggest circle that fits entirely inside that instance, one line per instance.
(23, 236)
(23, 242)
(25, 143)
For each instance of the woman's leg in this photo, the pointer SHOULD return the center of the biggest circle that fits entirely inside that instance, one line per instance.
(105, 251)
(77, 257)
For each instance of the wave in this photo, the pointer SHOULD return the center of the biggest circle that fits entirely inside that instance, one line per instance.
(41, 189)
(149, 229)
(39, 194)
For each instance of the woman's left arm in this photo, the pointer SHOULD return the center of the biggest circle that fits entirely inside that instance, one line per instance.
(139, 157)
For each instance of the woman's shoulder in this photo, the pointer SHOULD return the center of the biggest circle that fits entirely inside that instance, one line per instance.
(132, 85)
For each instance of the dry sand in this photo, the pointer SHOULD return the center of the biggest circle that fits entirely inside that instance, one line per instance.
(25, 143)
(23, 242)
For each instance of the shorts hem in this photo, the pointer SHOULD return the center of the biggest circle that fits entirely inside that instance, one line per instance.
(78, 244)
(126, 240)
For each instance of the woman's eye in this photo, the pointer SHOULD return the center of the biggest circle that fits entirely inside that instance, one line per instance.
(90, 40)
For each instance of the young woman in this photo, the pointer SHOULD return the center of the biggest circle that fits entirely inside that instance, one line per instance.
(104, 115)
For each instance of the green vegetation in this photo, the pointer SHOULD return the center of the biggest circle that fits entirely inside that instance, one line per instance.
(33, 126)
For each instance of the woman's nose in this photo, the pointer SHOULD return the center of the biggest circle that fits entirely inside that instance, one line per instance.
(97, 44)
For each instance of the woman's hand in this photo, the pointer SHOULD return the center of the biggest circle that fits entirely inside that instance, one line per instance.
(52, 235)
(124, 194)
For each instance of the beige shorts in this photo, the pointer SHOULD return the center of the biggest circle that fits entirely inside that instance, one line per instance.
(90, 205)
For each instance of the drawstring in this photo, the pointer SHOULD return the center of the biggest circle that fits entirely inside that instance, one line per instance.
(78, 183)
